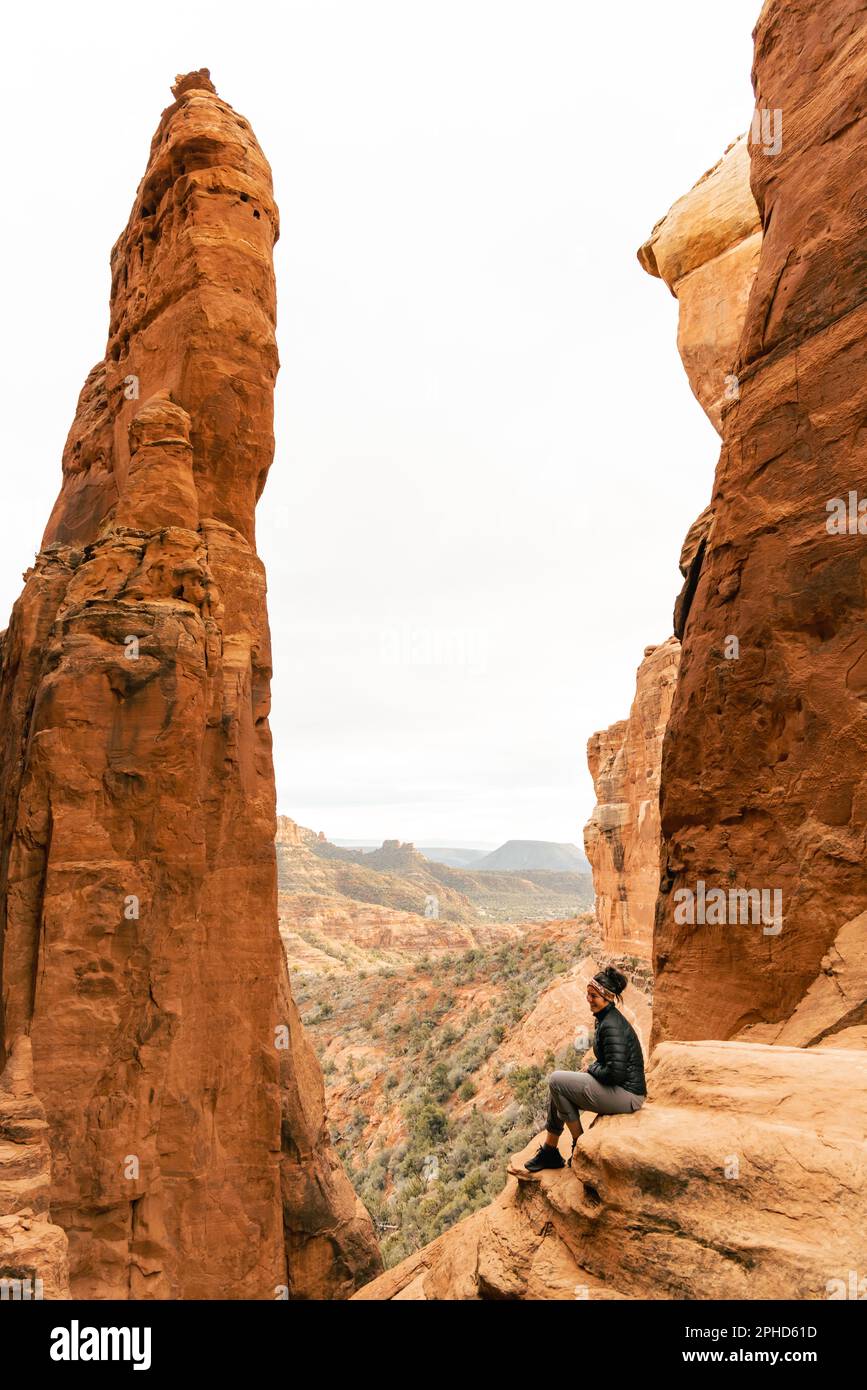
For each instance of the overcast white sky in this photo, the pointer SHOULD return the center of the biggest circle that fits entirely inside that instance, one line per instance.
(487, 451)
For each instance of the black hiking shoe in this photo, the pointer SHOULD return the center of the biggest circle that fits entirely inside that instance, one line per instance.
(544, 1158)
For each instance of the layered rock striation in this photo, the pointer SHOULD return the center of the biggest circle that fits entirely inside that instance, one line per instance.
(138, 895)
(621, 839)
(34, 1260)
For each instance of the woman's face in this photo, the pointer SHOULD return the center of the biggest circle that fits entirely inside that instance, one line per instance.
(596, 1000)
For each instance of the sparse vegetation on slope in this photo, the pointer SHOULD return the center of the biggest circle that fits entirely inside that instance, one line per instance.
(425, 1115)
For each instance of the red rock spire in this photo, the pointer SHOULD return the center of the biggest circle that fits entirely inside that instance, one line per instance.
(138, 901)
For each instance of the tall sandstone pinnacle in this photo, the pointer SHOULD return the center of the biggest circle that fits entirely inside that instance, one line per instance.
(764, 777)
(140, 946)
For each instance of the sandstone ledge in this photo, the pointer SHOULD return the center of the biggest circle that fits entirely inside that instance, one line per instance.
(744, 1177)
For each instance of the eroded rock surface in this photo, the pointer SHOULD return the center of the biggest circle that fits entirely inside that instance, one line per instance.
(699, 1195)
(138, 893)
(706, 249)
(763, 781)
(621, 838)
(33, 1251)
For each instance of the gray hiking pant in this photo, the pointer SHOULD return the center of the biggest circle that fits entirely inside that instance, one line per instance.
(571, 1091)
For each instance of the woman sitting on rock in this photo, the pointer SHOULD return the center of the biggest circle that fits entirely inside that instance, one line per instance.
(612, 1085)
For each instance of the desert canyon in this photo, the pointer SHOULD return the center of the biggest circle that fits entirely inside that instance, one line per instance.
(745, 1175)
(166, 1130)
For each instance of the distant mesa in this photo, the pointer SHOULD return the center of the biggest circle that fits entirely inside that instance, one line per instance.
(512, 856)
(455, 856)
(534, 854)
(398, 876)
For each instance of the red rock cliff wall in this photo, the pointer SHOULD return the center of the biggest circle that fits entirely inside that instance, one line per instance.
(138, 906)
(763, 778)
(622, 836)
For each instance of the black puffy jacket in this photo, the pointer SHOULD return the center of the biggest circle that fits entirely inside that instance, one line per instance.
(618, 1053)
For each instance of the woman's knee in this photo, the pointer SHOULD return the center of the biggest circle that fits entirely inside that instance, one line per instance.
(568, 1082)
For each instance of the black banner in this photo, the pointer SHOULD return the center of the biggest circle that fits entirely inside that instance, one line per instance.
(86, 1339)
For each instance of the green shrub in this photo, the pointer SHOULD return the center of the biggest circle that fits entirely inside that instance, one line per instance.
(432, 1124)
(431, 1068)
